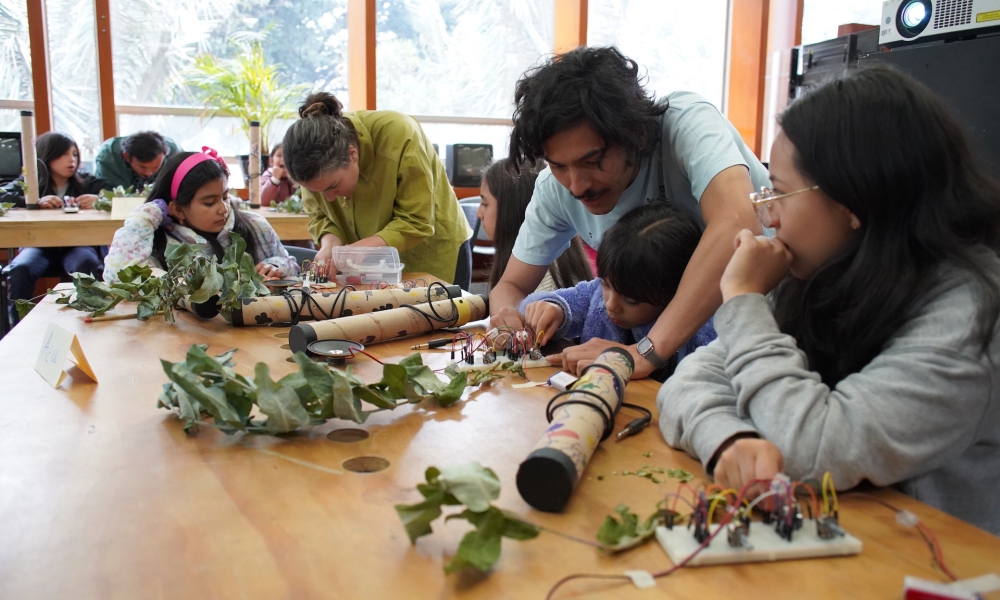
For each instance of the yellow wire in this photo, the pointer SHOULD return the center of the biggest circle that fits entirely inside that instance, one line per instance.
(720, 496)
(538, 338)
(828, 484)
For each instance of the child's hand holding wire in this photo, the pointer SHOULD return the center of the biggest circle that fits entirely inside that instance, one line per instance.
(545, 318)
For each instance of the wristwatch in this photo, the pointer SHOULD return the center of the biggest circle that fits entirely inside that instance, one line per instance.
(645, 348)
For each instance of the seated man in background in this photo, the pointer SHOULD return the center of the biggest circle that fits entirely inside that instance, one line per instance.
(133, 161)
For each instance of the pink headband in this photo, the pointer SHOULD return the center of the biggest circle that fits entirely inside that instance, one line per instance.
(189, 163)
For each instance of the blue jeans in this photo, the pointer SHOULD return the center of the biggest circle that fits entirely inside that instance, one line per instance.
(32, 263)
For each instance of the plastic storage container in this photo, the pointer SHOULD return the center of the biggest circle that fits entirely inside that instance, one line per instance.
(364, 266)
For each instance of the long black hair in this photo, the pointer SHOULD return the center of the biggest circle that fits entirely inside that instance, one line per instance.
(51, 146)
(884, 146)
(512, 191)
(597, 85)
(319, 142)
(643, 256)
(202, 173)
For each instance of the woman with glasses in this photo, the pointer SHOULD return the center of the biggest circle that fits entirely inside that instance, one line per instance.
(861, 338)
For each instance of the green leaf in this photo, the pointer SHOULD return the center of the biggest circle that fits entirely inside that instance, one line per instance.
(23, 308)
(479, 548)
(617, 535)
(345, 405)
(147, 307)
(280, 404)
(393, 381)
(417, 517)
(212, 399)
(472, 484)
(211, 284)
(374, 396)
(454, 390)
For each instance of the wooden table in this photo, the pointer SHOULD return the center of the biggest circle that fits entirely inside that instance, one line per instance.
(21, 228)
(102, 495)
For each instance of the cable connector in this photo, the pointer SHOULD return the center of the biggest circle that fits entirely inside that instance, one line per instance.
(633, 428)
(907, 519)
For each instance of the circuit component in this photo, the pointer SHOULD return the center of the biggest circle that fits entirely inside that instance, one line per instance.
(738, 534)
(828, 527)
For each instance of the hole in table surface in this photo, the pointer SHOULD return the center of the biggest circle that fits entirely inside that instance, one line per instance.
(347, 436)
(366, 464)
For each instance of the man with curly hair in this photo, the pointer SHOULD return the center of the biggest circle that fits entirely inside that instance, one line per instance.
(611, 147)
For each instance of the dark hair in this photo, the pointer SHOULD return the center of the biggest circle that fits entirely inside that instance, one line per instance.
(145, 145)
(596, 85)
(318, 143)
(884, 146)
(201, 174)
(275, 148)
(643, 256)
(51, 146)
(512, 191)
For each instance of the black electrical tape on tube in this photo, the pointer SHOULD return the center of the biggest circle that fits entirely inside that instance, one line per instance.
(300, 336)
(207, 309)
(546, 479)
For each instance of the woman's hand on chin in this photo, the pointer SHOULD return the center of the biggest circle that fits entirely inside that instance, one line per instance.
(757, 265)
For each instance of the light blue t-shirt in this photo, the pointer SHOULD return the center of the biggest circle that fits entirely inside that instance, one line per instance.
(697, 142)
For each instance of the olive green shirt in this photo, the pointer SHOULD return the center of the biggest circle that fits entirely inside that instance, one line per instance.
(403, 196)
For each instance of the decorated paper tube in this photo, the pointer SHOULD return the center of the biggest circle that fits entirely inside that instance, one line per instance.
(28, 158)
(579, 419)
(316, 306)
(391, 324)
(253, 166)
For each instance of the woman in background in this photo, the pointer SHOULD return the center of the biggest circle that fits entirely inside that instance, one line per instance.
(61, 157)
(505, 196)
(372, 178)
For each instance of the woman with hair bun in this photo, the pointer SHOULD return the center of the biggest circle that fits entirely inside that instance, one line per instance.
(372, 178)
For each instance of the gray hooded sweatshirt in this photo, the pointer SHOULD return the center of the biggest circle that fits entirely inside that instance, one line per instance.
(923, 415)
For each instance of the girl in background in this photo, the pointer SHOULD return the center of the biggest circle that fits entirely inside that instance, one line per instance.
(276, 186)
(876, 355)
(189, 203)
(61, 157)
(505, 196)
(639, 266)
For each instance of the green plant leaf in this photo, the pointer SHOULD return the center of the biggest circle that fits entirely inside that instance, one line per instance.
(628, 533)
(23, 308)
(480, 548)
(417, 517)
(280, 404)
(473, 485)
(453, 391)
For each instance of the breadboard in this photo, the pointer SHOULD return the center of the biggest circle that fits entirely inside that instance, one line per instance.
(768, 546)
(464, 367)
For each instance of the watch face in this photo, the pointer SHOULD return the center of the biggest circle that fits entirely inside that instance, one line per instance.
(644, 346)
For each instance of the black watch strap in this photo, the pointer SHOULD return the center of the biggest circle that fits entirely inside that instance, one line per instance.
(645, 347)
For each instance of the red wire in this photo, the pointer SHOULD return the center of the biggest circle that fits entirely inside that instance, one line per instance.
(924, 530)
(353, 350)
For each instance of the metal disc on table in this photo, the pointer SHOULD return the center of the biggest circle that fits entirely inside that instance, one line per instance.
(335, 349)
(279, 284)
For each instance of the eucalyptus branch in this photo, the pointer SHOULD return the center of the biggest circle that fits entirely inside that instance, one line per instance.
(203, 384)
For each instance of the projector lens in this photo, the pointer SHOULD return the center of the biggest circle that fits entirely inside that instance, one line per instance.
(914, 14)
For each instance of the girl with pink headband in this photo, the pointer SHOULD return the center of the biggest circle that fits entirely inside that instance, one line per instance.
(189, 204)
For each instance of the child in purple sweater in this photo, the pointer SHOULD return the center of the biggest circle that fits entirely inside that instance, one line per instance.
(639, 266)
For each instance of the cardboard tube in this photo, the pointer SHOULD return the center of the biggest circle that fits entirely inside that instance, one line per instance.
(318, 305)
(205, 310)
(391, 324)
(578, 423)
(253, 169)
(28, 157)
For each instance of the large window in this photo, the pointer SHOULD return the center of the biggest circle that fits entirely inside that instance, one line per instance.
(678, 45)
(15, 63)
(155, 45)
(457, 58)
(73, 73)
(820, 18)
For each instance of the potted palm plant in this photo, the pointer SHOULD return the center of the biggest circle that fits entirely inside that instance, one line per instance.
(245, 87)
